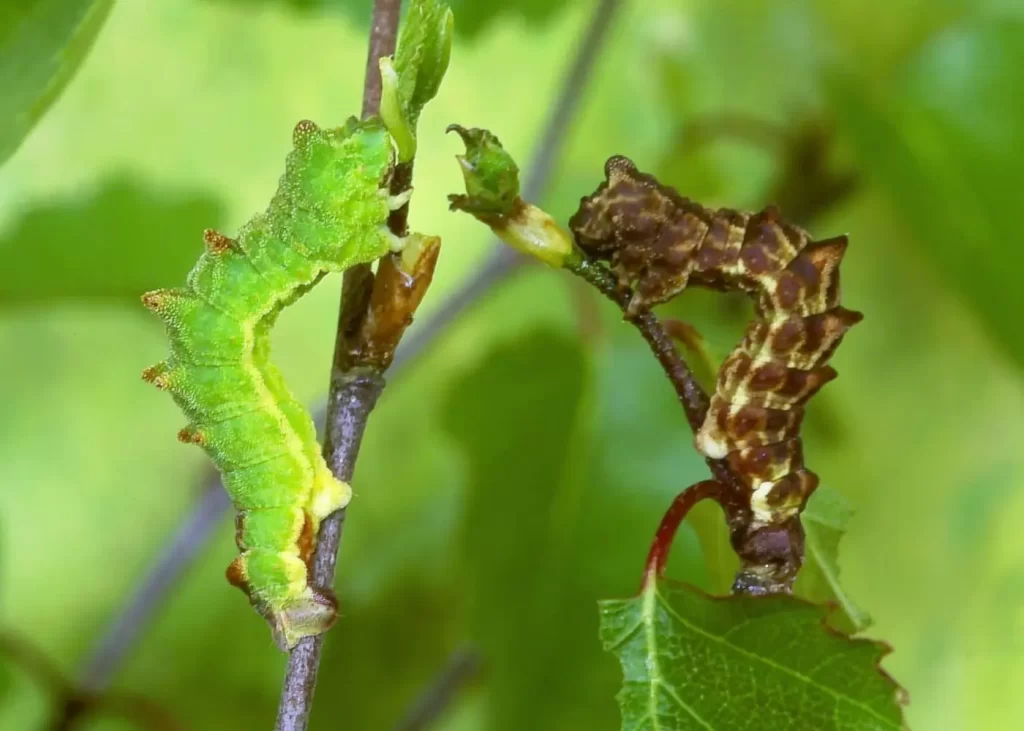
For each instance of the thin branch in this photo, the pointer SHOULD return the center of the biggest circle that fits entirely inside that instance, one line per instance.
(383, 38)
(196, 531)
(354, 390)
(462, 666)
(693, 398)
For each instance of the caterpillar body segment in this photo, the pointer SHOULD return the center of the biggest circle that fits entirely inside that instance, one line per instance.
(658, 243)
(329, 213)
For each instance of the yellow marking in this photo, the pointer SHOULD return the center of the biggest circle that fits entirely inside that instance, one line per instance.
(293, 443)
(295, 570)
(763, 513)
(328, 495)
(709, 446)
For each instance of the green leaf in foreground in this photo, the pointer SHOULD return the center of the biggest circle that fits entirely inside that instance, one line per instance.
(693, 661)
(825, 519)
(42, 43)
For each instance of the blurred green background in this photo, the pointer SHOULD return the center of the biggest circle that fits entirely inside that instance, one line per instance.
(516, 472)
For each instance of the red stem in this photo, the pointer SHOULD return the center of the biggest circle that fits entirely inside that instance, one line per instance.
(657, 557)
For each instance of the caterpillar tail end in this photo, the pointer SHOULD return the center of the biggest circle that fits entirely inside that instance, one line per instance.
(301, 610)
(308, 615)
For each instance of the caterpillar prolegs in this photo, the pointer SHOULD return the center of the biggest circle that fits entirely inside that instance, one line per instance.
(329, 213)
(657, 243)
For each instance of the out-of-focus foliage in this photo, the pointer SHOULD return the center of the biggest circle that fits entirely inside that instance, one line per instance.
(527, 485)
(42, 43)
(683, 653)
(76, 249)
(192, 102)
(950, 145)
(475, 16)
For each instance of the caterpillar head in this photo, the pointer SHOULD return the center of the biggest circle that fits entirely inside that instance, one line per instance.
(646, 232)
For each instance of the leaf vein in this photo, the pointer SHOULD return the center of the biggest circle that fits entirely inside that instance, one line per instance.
(765, 661)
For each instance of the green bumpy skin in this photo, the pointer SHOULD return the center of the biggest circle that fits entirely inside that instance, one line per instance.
(329, 213)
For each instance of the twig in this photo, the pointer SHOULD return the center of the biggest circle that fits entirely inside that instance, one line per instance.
(356, 384)
(691, 395)
(462, 666)
(355, 388)
(194, 534)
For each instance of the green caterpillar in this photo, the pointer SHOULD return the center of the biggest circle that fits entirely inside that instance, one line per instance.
(330, 213)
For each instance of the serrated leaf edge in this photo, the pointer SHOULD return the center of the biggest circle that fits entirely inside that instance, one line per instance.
(653, 596)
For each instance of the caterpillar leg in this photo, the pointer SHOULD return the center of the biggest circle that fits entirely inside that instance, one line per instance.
(397, 201)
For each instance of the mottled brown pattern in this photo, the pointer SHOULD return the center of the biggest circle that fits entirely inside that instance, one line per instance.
(657, 243)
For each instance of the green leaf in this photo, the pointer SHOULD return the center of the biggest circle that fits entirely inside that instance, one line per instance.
(424, 49)
(116, 244)
(693, 661)
(944, 141)
(42, 44)
(490, 174)
(413, 76)
(825, 519)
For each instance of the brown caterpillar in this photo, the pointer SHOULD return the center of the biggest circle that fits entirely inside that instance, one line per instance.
(657, 243)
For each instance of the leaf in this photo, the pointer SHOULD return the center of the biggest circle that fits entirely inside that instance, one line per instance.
(424, 49)
(42, 44)
(490, 174)
(413, 76)
(825, 519)
(944, 141)
(118, 243)
(692, 661)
